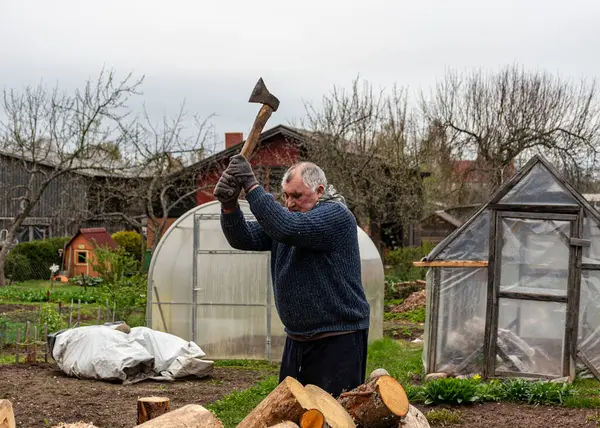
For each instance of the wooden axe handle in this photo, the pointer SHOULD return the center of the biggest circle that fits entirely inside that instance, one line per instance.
(259, 123)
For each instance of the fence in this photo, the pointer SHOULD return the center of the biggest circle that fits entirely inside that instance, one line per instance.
(24, 329)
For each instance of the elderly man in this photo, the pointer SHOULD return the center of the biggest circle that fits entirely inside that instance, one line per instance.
(315, 267)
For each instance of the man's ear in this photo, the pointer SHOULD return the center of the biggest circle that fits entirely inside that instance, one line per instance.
(320, 190)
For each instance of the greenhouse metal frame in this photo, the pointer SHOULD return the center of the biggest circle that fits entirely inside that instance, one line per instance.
(515, 291)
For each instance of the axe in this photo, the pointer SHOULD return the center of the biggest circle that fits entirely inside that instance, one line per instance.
(270, 103)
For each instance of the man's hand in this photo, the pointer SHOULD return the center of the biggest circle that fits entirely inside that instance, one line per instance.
(241, 169)
(227, 191)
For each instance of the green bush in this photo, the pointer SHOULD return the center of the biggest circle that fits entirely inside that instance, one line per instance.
(50, 316)
(40, 255)
(131, 242)
(64, 295)
(17, 267)
(400, 262)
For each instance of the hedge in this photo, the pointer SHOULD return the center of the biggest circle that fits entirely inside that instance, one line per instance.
(32, 260)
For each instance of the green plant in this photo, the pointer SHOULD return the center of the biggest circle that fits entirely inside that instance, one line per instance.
(40, 254)
(444, 417)
(85, 281)
(51, 317)
(450, 390)
(414, 316)
(400, 261)
(130, 241)
(17, 267)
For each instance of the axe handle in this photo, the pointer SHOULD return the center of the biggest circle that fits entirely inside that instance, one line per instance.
(259, 123)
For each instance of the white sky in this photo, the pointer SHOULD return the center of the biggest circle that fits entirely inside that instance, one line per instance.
(211, 54)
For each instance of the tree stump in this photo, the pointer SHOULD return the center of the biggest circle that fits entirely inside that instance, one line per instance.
(290, 400)
(190, 416)
(152, 407)
(379, 403)
(7, 415)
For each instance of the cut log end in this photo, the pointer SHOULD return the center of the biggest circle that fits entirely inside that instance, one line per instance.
(7, 415)
(152, 407)
(312, 419)
(393, 395)
(285, 424)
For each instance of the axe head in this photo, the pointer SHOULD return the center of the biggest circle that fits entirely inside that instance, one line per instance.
(260, 94)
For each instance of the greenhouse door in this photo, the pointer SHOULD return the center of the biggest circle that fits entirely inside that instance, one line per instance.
(529, 309)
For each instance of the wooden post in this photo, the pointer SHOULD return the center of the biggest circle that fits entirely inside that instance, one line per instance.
(78, 311)
(98, 314)
(3, 336)
(27, 344)
(46, 343)
(152, 407)
(114, 310)
(17, 344)
(35, 338)
(71, 314)
(107, 319)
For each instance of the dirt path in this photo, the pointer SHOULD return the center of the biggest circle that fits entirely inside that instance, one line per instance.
(41, 391)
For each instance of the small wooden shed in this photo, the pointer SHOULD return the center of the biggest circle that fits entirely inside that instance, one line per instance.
(79, 251)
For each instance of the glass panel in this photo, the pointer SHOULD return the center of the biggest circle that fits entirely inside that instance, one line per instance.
(539, 187)
(472, 243)
(591, 231)
(589, 317)
(531, 336)
(535, 256)
(461, 323)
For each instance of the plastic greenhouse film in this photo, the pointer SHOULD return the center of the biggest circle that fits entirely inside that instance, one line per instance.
(591, 231)
(472, 243)
(461, 322)
(540, 187)
(589, 318)
(535, 256)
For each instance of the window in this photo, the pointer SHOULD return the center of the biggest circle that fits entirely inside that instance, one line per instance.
(81, 257)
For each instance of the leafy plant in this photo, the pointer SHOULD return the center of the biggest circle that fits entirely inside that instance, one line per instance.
(50, 316)
(130, 241)
(40, 254)
(86, 281)
(400, 261)
(450, 390)
(17, 267)
(414, 316)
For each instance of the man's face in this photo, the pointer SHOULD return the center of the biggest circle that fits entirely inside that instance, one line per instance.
(298, 197)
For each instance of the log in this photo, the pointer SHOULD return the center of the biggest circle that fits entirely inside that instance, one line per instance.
(190, 416)
(75, 425)
(379, 403)
(290, 400)
(286, 424)
(7, 415)
(313, 419)
(152, 407)
(414, 419)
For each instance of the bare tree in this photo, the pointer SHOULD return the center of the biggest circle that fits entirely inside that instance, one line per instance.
(498, 118)
(49, 147)
(161, 178)
(365, 143)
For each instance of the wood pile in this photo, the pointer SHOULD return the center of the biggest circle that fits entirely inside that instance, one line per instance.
(380, 402)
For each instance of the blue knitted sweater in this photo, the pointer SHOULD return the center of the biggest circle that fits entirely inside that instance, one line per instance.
(315, 262)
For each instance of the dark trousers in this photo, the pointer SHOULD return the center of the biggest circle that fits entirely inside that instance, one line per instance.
(335, 363)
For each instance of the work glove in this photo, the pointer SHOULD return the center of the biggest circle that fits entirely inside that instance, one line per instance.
(227, 191)
(241, 169)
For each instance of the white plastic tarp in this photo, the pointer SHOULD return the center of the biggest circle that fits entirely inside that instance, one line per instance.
(104, 353)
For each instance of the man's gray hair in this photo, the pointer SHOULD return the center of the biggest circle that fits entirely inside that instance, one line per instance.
(311, 175)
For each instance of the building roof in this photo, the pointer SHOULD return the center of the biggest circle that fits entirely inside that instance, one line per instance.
(448, 218)
(97, 236)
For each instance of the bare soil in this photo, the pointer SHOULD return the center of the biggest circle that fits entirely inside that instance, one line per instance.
(489, 415)
(41, 392)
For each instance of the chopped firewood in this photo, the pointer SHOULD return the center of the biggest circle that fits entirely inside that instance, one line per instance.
(190, 416)
(286, 424)
(152, 407)
(7, 415)
(313, 419)
(414, 419)
(290, 400)
(379, 403)
(377, 373)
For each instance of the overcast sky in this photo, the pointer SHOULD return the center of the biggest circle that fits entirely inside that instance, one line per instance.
(211, 54)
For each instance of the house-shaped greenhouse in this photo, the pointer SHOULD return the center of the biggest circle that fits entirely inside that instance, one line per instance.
(515, 291)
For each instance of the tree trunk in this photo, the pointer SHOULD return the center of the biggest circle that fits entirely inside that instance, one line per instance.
(379, 403)
(3, 254)
(7, 416)
(151, 407)
(290, 400)
(190, 416)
